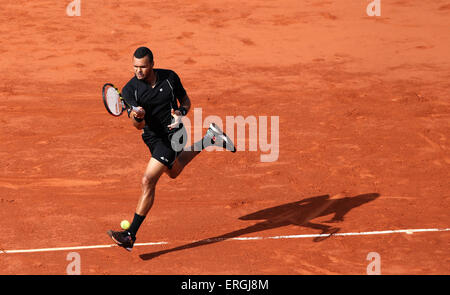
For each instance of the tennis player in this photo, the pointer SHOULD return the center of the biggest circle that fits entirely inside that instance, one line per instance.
(161, 102)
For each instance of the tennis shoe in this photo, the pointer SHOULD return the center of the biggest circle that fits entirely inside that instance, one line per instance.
(215, 136)
(122, 238)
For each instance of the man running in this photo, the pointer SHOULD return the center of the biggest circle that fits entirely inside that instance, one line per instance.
(161, 102)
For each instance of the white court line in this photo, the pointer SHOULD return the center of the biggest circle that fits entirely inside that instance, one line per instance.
(73, 248)
(384, 232)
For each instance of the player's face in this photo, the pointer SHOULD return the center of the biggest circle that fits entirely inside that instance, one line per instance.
(142, 67)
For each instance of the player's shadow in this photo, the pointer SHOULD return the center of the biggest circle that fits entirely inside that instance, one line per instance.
(298, 213)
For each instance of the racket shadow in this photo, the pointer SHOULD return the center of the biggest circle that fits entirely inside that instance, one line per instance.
(298, 213)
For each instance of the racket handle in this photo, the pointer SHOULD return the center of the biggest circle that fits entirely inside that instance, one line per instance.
(138, 110)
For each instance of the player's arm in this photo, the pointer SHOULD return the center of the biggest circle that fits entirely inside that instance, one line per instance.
(136, 115)
(185, 105)
(181, 95)
(183, 99)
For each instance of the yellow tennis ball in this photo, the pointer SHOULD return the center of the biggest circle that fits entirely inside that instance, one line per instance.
(124, 224)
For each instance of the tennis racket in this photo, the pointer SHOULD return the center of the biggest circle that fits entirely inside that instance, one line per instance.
(114, 103)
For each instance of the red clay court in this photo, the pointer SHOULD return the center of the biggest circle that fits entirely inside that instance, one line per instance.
(364, 129)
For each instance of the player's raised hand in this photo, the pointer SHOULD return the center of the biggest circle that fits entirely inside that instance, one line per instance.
(176, 119)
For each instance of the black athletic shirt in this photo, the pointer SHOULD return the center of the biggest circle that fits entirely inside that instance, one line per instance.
(158, 101)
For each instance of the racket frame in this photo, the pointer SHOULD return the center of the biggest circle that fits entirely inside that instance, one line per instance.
(124, 104)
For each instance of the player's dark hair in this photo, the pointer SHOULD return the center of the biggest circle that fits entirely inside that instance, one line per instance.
(142, 52)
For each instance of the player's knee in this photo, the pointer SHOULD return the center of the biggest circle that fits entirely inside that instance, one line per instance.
(173, 173)
(149, 181)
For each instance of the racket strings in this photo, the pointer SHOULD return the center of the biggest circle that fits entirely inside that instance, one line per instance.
(113, 101)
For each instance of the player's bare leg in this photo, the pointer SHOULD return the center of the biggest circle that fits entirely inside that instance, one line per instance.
(183, 159)
(151, 176)
(214, 136)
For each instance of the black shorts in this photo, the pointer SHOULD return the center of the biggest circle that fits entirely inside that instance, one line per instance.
(161, 147)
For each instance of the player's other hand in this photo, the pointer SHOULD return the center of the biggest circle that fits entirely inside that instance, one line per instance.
(138, 112)
(176, 119)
